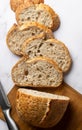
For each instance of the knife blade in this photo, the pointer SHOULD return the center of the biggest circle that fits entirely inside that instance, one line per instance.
(4, 102)
(5, 105)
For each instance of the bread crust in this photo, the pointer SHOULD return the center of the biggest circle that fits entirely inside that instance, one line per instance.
(50, 110)
(25, 26)
(28, 61)
(55, 18)
(13, 28)
(16, 3)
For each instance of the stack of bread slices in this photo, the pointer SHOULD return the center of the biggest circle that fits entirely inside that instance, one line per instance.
(43, 61)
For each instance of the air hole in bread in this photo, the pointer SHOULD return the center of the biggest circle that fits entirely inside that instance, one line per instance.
(22, 19)
(47, 76)
(29, 52)
(26, 72)
(28, 18)
(35, 54)
(35, 47)
(39, 13)
(41, 55)
(36, 18)
(33, 34)
(13, 42)
(38, 69)
(40, 45)
(51, 81)
(39, 76)
(38, 51)
(51, 44)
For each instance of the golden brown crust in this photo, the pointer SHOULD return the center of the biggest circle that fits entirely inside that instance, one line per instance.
(56, 22)
(50, 110)
(55, 18)
(10, 32)
(54, 109)
(13, 28)
(16, 3)
(28, 61)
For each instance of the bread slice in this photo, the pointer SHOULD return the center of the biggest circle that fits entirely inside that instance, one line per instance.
(37, 72)
(16, 3)
(41, 13)
(18, 34)
(40, 108)
(52, 48)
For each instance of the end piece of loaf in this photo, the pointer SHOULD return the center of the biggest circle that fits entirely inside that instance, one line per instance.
(16, 3)
(40, 13)
(40, 108)
(17, 35)
(37, 72)
(51, 48)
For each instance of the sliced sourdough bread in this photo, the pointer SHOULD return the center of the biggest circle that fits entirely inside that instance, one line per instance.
(17, 35)
(40, 13)
(40, 108)
(37, 72)
(52, 48)
(16, 3)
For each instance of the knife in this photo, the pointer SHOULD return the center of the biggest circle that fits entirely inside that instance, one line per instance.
(6, 107)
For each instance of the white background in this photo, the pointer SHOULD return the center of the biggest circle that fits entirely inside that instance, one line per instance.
(70, 32)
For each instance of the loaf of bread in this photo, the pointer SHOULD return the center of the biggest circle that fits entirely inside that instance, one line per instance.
(18, 34)
(40, 108)
(16, 3)
(37, 72)
(52, 48)
(40, 13)
(42, 65)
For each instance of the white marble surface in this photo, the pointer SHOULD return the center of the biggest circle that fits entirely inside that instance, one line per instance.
(70, 32)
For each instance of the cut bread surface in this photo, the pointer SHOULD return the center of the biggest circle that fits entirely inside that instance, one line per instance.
(37, 72)
(52, 48)
(40, 108)
(17, 35)
(42, 94)
(40, 13)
